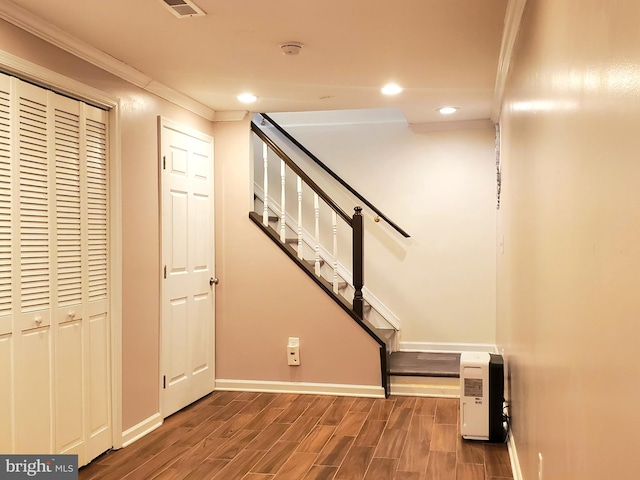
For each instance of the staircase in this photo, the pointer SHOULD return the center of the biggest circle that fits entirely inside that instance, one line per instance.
(345, 291)
(320, 260)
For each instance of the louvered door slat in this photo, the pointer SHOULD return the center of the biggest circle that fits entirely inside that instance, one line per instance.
(96, 152)
(6, 307)
(34, 205)
(68, 207)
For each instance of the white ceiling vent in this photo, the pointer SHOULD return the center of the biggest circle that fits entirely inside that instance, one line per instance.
(183, 8)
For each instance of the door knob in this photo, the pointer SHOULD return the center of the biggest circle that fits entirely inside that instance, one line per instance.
(213, 281)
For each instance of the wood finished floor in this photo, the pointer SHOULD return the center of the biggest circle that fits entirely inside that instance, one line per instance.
(265, 436)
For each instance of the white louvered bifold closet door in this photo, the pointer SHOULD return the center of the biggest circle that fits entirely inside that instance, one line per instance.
(54, 322)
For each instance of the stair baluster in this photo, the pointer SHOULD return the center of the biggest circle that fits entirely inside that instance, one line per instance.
(283, 180)
(316, 209)
(265, 186)
(299, 189)
(334, 222)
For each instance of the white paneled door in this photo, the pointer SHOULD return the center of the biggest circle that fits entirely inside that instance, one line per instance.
(54, 321)
(188, 283)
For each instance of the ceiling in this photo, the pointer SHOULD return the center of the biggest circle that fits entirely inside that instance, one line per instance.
(443, 52)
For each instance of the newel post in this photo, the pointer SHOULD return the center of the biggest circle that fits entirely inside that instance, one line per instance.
(358, 262)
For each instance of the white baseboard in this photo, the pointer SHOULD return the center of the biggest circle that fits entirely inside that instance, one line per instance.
(426, 386)
(141, 429)
(447, 347)
(513, 457)
(300, 387)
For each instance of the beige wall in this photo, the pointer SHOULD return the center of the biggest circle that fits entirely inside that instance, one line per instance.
(568, 304)
(440, 187)
(263, 298)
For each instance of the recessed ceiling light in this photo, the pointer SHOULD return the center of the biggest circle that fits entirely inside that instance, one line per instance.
(448, 110)
(391, 89)
(247, 98)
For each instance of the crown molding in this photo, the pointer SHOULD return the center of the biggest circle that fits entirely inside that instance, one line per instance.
(340, 118)
(230, 115)
(29, 22)
(450, 126)
(512, 20)
(34, 25)
(180, 99)
(38, 75)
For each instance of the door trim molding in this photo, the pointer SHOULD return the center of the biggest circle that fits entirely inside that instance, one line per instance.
(115, 293)
(41, 76)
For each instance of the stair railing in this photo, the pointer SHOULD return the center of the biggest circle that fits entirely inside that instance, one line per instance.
(354, 222)
(335, 176)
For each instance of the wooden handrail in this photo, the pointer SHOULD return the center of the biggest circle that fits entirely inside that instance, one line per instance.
(298, 171)
(334, 175)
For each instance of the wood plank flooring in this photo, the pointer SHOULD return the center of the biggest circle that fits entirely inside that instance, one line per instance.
(266, 436)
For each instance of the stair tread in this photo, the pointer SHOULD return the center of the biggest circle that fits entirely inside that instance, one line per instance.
(424, 364)
(313, 262)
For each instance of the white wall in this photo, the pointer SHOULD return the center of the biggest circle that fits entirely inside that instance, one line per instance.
(440, 188)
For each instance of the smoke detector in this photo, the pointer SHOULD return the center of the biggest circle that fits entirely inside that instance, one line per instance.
(291, 48)
(183, 8)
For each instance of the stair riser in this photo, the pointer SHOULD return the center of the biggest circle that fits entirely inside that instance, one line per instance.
(425, 386)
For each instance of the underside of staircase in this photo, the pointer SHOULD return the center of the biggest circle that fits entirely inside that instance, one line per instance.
(393, 363)
(383, 337)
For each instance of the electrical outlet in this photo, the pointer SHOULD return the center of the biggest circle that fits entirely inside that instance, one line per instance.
(293, 351)
(540, 465)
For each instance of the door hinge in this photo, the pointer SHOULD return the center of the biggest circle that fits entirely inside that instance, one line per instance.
(164, 162)
(164, 381)
(165, 271)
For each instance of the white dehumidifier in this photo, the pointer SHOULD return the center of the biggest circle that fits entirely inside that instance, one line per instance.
(482, 397)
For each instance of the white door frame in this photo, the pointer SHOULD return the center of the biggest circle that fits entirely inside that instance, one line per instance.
(38, 75)
(162, 123)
